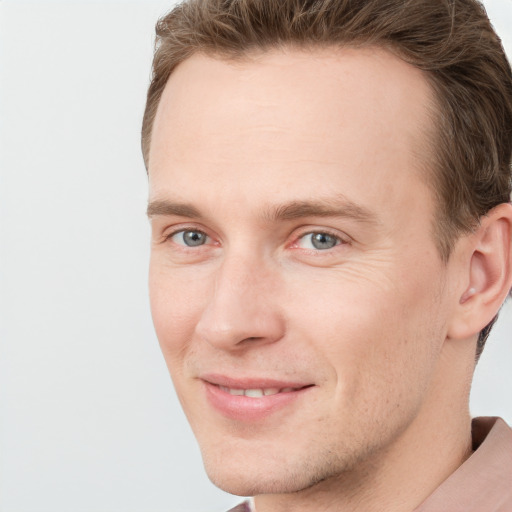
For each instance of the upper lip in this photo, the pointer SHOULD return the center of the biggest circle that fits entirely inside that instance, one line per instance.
(251, 382)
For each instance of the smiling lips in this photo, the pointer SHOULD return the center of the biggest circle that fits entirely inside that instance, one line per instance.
(257, 392)
(251, 400)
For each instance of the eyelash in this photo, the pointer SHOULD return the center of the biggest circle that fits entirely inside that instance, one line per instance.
(184, 230)
(340, 241)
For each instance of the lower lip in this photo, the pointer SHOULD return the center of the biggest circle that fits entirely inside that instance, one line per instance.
(244, 408)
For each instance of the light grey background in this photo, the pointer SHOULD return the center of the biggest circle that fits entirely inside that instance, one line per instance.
(89, 420)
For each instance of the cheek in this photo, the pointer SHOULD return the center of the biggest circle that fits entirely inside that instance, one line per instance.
(176, 305)
(373, 331)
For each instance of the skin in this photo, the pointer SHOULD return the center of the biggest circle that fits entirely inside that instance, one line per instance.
(366, 322)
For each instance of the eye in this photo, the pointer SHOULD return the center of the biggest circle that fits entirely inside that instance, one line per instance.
(189, 238)
(318, 241)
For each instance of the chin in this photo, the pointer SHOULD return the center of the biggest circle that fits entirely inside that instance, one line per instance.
(246, 484)
(234, 476)
(242, 477)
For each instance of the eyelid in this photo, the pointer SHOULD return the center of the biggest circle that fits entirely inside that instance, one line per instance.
(183, 230)
(179, 238)
(343, 239)
(302, 232)
(174, 230)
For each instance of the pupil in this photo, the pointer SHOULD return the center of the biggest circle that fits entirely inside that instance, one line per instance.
(323, 241)
(193, 238)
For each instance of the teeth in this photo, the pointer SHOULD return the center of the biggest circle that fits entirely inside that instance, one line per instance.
(255, 393)
(237, 392)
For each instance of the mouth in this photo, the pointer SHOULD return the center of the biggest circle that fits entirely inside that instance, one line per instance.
(251, 400)
(260, 392)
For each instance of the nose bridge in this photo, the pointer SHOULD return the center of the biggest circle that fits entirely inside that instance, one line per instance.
(240, 307)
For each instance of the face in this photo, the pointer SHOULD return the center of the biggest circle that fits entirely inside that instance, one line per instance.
(296, 289)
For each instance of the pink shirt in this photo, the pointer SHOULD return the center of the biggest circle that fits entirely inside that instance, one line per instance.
(482, 484)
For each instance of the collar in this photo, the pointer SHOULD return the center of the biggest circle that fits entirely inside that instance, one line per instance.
(483, 481)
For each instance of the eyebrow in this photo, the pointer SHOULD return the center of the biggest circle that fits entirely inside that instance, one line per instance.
(169, 208)
(329, 207)
(324, 208)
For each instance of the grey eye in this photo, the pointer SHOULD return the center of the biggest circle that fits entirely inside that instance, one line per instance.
(190, 238)
(323, 241)
(319, 241)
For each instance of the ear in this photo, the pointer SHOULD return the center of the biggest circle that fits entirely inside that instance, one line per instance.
(487, 274)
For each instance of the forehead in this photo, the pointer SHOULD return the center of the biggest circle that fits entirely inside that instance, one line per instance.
(290, 117)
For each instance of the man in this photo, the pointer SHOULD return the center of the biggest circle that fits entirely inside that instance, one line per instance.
(330, 205)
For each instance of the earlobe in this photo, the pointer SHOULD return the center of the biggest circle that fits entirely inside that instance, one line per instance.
(488, 274)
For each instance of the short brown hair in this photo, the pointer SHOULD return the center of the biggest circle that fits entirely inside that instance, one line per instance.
(452, 41)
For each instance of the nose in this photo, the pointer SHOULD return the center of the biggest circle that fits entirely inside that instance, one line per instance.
(241, 309)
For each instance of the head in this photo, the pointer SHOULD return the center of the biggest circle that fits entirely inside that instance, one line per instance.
(454, 44)
(337, 148)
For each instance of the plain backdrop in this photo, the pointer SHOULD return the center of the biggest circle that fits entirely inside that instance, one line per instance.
(88, 418)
